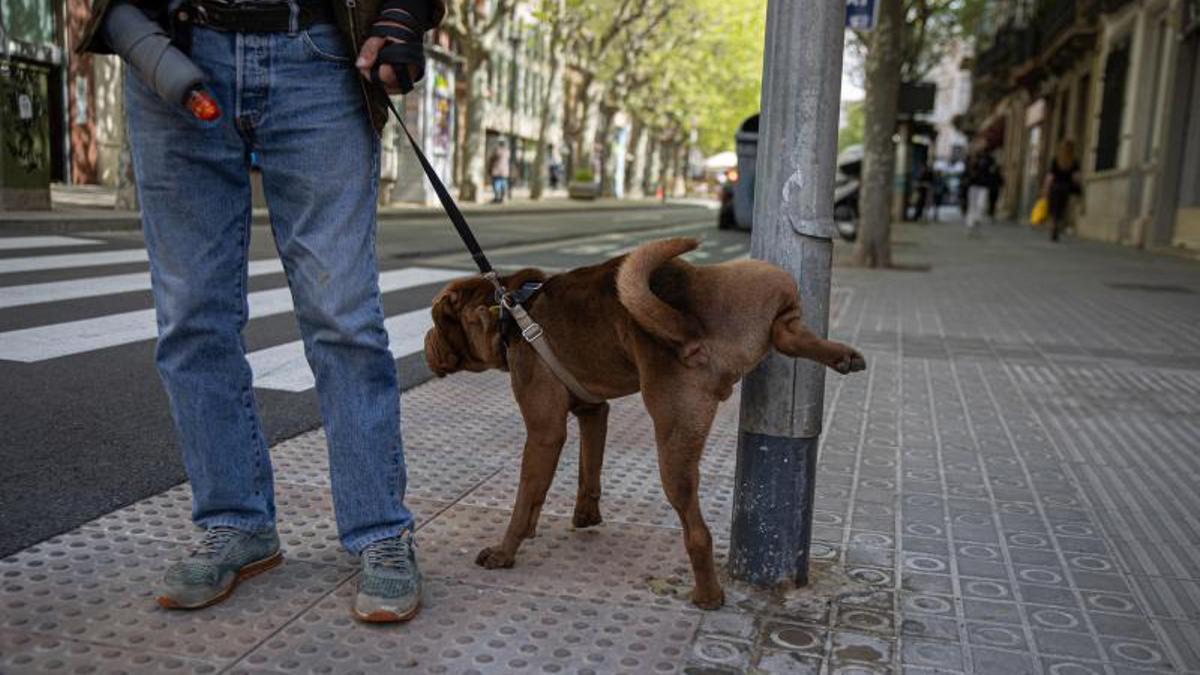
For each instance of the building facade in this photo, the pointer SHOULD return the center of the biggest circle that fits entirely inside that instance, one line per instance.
(33, 102)
(1117, 78)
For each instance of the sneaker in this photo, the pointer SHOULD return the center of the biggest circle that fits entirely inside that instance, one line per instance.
(223, 557)
(389, 588)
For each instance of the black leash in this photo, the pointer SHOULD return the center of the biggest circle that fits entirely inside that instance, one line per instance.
(448, 203)
(509, 302)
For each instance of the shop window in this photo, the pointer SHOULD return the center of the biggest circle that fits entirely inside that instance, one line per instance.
(1112, 104)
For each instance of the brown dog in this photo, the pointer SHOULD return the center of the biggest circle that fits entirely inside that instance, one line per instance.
(680, 334)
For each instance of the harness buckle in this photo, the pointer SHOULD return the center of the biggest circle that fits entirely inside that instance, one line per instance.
(532, 332)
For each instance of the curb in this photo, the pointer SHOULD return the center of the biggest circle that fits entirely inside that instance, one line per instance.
(64, 222)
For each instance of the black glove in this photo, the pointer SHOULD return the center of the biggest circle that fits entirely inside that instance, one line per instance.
(401, 23)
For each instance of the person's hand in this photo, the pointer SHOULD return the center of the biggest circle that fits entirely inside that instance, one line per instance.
(393, 52)
(387, 74)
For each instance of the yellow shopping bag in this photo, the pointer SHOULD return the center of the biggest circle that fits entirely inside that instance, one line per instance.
(1041, 209)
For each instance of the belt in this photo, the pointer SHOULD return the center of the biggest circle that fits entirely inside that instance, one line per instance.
(252, 17)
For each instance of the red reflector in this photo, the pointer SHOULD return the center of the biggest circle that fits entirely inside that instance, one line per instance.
(202, 106)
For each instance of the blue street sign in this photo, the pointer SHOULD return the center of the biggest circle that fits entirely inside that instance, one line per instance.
(860, 14)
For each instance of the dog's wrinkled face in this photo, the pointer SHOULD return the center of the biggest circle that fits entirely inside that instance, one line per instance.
(466, 330)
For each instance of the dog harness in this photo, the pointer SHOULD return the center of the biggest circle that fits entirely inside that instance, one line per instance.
(509, 301)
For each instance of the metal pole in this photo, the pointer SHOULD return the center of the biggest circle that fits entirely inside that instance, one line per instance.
(783, 399)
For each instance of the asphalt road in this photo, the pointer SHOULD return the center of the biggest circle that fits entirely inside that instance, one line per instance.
(84, 424)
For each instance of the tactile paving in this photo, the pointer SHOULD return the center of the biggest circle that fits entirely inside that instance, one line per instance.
(466, 628)
(25, 653)
(1007, 489)
(100, 588)
(304, 520)
(631, 492)
(438, 474)
(608, 563)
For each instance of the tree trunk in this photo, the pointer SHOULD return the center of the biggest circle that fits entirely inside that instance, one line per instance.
(538, 180)
(585, 142)
(634, 182)
(882, 85)
(607, 167)
(471, 184)
(127, 198)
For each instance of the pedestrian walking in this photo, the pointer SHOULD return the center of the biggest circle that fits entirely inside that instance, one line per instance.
(284, 74)
(1062, 182)
(924, 185)
(977, 191)
(498, 169)
(995, 181)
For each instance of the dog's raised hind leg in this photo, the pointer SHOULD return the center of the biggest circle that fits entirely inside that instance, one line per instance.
(790, 336)
(593, 431)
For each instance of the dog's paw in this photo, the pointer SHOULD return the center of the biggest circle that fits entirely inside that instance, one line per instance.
(857, 363)
(712, 599)
(494, 558)
(586, 516)
(850, 362)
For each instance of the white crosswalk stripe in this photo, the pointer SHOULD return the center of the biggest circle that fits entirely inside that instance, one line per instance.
(40, 343)
(38, 263)
(71, 289)
(13, 243)
(284, 368)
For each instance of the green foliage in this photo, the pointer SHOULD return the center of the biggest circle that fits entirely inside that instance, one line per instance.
(852, 133)
(700, 67)
(933, 26)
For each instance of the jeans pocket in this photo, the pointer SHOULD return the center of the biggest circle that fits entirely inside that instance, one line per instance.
(326, 42)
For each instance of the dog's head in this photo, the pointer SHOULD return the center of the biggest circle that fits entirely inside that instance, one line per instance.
(466, 326)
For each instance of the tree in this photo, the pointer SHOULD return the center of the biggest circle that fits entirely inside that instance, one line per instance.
(469, 22)
(909, 38)
(600, 25)
(883, 66)
(555, 16)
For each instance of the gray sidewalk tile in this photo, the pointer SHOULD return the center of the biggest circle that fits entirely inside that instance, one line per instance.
(307, 531)
(100, 588)
(465, 627)
(30, 653)
(1009, 488)
(609, 563)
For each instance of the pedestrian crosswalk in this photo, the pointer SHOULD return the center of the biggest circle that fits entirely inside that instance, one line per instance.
(279, 367)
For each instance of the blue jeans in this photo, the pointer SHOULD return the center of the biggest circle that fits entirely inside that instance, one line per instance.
(295, 100)
(499, 188)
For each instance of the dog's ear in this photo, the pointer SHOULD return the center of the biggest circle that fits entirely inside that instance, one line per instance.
(482, 328)
(439, 355)
(445, 343)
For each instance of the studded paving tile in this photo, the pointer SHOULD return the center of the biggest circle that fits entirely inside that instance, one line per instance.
(305, 521)
(607, 563)
(468, 628)
(1008, 488)
(631, 493)
(31, 653)
(97, 587)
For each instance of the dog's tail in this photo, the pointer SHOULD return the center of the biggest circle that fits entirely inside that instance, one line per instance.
(649, 311)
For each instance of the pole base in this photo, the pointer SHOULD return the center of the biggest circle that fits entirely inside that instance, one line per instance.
(772, 509)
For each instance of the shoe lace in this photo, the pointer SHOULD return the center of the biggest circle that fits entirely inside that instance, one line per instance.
(215, 540)
(393, 553)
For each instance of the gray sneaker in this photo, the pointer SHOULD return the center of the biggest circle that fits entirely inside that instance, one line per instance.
(389, 588)
(217, 563)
